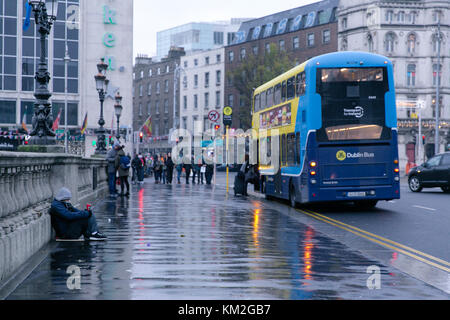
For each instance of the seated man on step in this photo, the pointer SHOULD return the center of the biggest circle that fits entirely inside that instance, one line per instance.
(70, 223)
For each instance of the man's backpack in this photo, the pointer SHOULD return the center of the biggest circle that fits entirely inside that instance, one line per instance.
(125, 162)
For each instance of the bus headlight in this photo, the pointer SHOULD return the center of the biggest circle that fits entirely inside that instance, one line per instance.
(313, 181)
(397, 179)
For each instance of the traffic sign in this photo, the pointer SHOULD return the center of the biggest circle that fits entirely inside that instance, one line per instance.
(227, 116)
(214, 116)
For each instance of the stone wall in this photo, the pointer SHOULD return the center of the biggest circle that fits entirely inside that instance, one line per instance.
(28, 183)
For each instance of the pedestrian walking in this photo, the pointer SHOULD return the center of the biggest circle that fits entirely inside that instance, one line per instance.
(123, 164)
(134, 166)
(157, 169)
(140, 169)
(179, 169)
(69, 222)
(187, 168)
(170, 166)
(195, 170)
(111, 159)
(163, 169)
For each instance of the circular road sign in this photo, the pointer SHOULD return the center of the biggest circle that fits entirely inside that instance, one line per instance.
(228, 111)
(214, 116)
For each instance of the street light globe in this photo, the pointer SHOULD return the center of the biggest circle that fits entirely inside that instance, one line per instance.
(99, 81)
(52, 8)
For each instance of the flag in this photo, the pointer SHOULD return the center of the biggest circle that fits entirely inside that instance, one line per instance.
(26, 23)
(83, 128)
(56, 122)
(24, 124)
(147, 127)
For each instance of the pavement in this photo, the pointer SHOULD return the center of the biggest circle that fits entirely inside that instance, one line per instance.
(177, 242)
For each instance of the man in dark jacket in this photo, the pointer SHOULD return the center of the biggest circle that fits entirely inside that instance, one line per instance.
(123, 164)
(111, 158)
(70, 223)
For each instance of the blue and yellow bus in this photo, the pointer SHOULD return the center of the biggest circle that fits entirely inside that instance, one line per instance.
(335, 120)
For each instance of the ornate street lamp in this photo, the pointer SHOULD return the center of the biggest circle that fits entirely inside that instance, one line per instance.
(118, 110)
(45, 12)
(101, 84)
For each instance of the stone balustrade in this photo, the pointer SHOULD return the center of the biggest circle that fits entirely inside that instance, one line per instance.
(28, 184)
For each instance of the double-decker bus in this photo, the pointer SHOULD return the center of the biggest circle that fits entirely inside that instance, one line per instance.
(334, 120)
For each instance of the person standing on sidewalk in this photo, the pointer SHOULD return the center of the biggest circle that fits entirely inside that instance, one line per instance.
(123, 165)
(170, 166)
(111, 158)
(140, 168)
(187, 168)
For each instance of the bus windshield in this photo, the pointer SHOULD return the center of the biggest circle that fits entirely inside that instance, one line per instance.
(353, 106)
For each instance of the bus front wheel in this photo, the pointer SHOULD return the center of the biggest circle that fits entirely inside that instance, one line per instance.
(292, 197)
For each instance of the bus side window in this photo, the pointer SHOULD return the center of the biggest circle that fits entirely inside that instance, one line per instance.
(277, 94)
(297, 148)
(291, 88)
(291, 149)
(283, 150)
(302, 83)
(298, 82)
(269, 97)
(256, 104)
(283, 91)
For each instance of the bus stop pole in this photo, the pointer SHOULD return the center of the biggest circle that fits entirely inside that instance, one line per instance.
(227, 130)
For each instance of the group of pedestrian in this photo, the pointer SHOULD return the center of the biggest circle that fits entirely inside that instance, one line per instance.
(201, 171)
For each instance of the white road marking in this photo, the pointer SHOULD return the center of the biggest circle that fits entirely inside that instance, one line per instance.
(425, 208)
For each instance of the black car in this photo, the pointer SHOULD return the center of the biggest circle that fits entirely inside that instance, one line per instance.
(434, 173)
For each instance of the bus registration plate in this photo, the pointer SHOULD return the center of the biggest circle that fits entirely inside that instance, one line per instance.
(356, 194)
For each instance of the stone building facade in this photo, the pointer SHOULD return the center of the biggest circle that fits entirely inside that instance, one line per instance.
(406, 32)
(302, 32)
(154, 94)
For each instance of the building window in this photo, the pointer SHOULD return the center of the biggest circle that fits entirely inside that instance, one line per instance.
(310, 40)
(433, 105)
(8, 112)
(282, 45)
(206, 100)
(218, 77)
(255, 50)
(157, 107)
(185, 64)
(149, 92)
(159, 71)
(167, 69)
(140, 90)
(184, 121)
(218, 58)
(184, 102)
(411, 75)
(218, 38)
(195, 80)
(326, 36)
(140, 109)
(185, 82)
(411, 43)
(195, 62)
(437, 78)
(142, 74)
(166, 86)
(195, 101)
(401, 16)
(242, 55)
(218, 100)
(370, 43)
(166, 106)
(344, 23)
(295, 43)
(158, 88)
(389, 16)
(436, 42)
(412, 17)
(148, 108)
(230, 56)
(206, 79)
(267, 47)
(230, 100)
(389, 42)
(207, 60)
(150, 73)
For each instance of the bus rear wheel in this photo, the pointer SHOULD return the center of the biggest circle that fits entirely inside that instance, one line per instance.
(292, 197)
(366, 204)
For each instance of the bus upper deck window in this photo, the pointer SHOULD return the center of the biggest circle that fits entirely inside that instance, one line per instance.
(277, 94)
(291, 88)
(283, 92)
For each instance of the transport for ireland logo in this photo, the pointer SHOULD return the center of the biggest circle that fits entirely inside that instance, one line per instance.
(341, 155)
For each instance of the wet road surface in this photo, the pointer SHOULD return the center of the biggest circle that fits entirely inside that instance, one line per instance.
(192, 242)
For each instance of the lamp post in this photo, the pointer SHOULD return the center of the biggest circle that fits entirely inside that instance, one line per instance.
(66, 62)
(118, 110)
(45, 12)
(101, 84)
(438, 74)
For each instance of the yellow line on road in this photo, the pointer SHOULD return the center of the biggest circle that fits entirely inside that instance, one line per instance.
(380, 240)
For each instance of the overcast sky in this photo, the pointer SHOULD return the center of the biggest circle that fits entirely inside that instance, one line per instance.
(151, 16)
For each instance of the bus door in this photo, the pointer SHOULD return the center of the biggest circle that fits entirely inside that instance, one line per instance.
(277, 164)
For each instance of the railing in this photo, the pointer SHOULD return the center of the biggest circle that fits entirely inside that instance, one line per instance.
(28, 183)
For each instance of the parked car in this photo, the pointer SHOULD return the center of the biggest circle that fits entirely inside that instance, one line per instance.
(433, 173)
